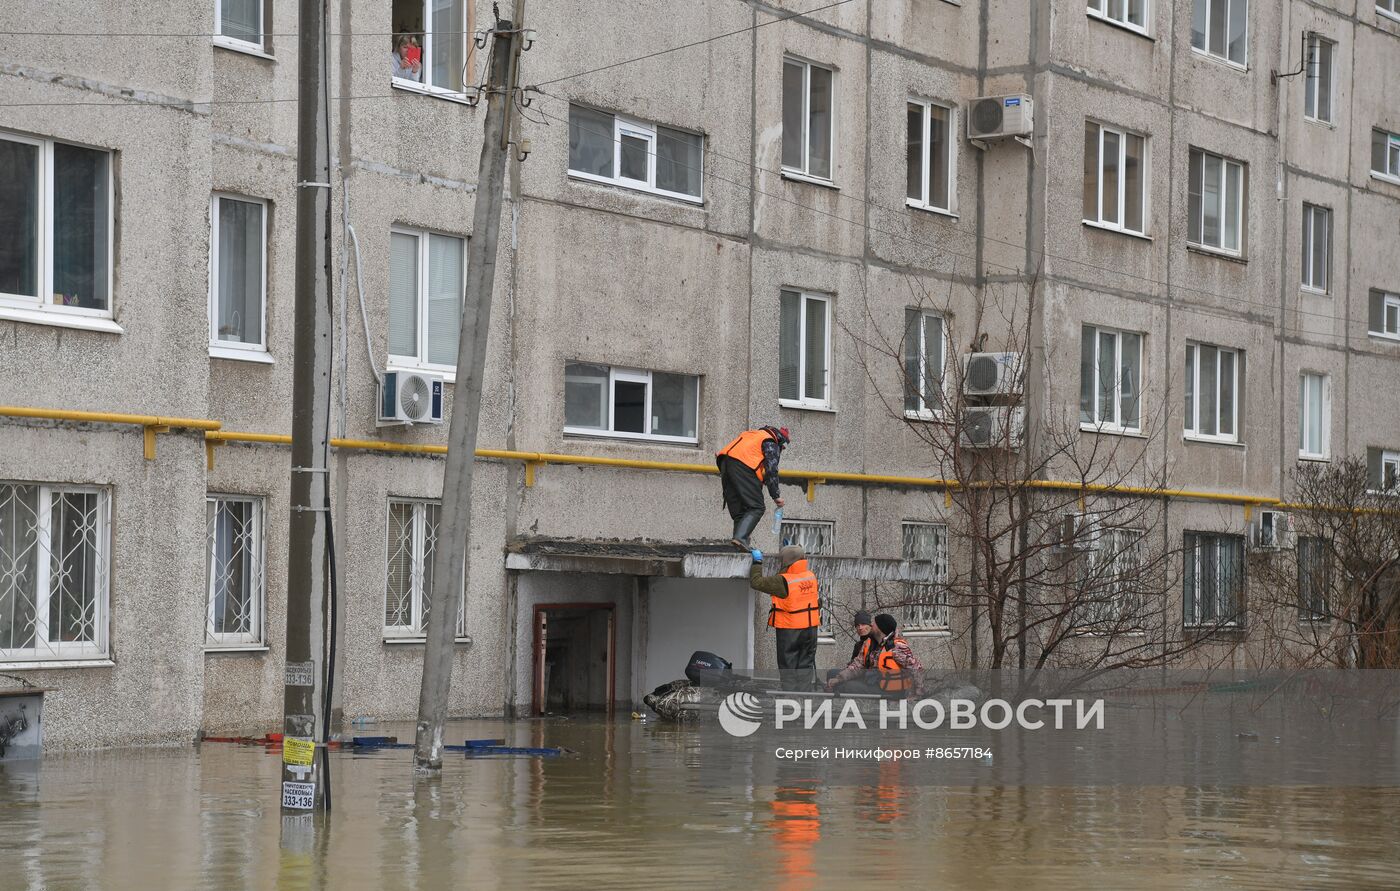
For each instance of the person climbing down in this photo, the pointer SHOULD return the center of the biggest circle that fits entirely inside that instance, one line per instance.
(794, 616)
(746, 465)
(897, 671)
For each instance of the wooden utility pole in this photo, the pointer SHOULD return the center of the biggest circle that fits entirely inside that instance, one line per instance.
(304, 777)
(450, 556)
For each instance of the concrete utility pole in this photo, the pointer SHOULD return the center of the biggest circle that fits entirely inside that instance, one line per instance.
(450, 556)
(308, 631)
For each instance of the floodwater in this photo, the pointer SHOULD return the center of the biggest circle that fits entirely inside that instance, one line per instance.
(640, 808)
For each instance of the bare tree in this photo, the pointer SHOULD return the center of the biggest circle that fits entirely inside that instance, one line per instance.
(1333, 597)
(1059, 532)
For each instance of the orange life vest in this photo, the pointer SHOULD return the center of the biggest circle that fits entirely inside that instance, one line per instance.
(865, 646)
(893, 677)
(801, 608)
(747, 449)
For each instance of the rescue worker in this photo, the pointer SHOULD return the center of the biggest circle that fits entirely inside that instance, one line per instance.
(862, 651)
(746, 465)
(794, 614)
(896, 673)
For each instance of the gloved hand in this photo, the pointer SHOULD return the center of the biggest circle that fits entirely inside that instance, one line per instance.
(757, 555)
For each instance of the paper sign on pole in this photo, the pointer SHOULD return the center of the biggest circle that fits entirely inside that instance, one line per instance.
(299, 796)
(298, 751)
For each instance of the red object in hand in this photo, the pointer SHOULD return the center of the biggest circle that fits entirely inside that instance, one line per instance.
(412, 55)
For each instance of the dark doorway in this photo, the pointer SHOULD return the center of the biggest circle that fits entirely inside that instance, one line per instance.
(573, 657)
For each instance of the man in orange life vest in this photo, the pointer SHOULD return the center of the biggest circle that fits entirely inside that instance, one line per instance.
(746, 465)
(897, 671)
(794, 615)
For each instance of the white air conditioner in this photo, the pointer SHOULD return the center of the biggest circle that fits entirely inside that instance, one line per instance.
(992, 374)
(993, 427)
(1272, 530)
(410, 397)
(1000, 117)
(1077, 532)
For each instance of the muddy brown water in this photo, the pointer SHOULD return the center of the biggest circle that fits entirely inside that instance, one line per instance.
(634, 810)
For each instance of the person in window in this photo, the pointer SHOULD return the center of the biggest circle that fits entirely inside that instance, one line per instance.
(746, 465)
(407, 59)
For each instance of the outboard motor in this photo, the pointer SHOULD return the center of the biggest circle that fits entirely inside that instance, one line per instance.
(707, 669)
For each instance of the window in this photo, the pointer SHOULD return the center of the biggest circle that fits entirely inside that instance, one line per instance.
(413, 533)
(609, 148)
(55, 226)
(431, 44)
(1384, 314)
(923, 363)
(1314, 579)
(1385, 153)
(235, 570)
(804, 348)
(54, 546)
(817, 538)
(1317, 247)
(1213, 579)
(239, 24)
(1110, 378)
(1220, 28)
(1131, 14)
(1383, 470)
(425, 298)
(1107, 595)
(930, 157)
(630, 402)
(926, 605)
(1317, 87)
(1313, 410)
(807, 119)
(1215, 205)
(1212, 388)
(1115, 183)
(1389, 7)
(237, 275)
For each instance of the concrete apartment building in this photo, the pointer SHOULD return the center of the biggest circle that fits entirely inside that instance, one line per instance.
(697, 243)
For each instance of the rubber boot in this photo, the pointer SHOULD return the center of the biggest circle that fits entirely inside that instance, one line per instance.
(744, 527)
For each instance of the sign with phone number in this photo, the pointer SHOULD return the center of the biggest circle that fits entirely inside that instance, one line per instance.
(299, 796)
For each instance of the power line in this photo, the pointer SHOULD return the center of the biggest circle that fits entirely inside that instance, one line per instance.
(1016, 269)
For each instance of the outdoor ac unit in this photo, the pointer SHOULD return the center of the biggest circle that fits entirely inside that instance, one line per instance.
(993, 427)
(992, 374)
(1272, 530)
(999, 117)
(410, 397)
(1077, 533)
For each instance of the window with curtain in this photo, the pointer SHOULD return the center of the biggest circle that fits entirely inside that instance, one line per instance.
(55, 226)
(1107, 594)
(1215, 202)
(923, 363)
(1312, 415)
(808, 130)
(1220, 28)
(54, 550)
(1110, 378)
(426, 272)
(1115, 181)
(235, 571)
(411, 542)
(1317, 248)
(239, 23)
(1213, 579)
(238, 284)
(930, 152)
(926, 605)
(804, 346)
(432, 44)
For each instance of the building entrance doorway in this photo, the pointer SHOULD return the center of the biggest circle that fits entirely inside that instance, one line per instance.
(574, 657)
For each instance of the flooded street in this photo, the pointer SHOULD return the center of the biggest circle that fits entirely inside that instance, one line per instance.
(633, 809)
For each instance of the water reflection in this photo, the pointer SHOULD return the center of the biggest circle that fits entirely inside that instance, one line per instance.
(635, 810)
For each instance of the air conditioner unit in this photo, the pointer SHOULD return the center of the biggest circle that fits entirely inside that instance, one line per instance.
(1077, 532)
(1272, 530)
(999, 117)
(992, 374)
(993, 427)
(410, 397)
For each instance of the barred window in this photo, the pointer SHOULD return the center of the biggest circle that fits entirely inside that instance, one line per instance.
(1314, 578)
(1108, 595)
(926, 605)
(1213, 579)
(54, 558)
(234, 560)
(817, 538)
(412, 540)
